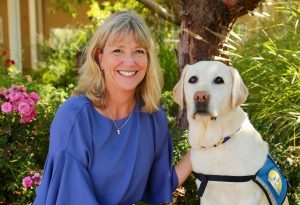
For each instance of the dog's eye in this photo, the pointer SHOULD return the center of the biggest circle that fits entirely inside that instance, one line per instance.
(193, 79)
(218, 80)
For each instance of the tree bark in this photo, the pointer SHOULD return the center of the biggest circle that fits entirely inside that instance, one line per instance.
(200, 20)
(239, 8)
(205, 25)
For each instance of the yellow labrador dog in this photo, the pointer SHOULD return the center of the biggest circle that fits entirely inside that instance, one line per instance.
(229, 157)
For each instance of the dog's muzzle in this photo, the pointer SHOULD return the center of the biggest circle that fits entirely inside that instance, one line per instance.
(201, 108)
(201, 100)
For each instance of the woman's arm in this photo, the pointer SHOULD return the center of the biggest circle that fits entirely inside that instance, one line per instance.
(184, 168)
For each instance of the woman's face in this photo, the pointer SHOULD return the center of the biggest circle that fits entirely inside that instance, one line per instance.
(124, 63)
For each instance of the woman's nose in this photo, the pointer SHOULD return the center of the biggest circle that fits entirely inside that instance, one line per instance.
(129, 59)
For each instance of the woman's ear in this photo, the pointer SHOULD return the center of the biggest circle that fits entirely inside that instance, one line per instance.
(99, 58)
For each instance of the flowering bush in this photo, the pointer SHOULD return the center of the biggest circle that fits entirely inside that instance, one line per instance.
(15, 99)
(24, 143)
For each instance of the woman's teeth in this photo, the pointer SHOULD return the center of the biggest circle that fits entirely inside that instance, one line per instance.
(127, 73)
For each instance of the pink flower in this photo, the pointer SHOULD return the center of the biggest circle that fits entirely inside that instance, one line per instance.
(33, 113)
(30, 102)
(27, 182)
(28, 117)
(34, 97)
(24, 108)
(36, 178)
(6, 107)
(13, 97)
(17, 100)
(15, 106)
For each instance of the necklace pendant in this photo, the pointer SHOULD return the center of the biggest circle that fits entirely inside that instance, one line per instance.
(118, 131)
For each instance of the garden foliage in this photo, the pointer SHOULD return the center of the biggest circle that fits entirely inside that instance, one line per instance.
(267, 58)
(24, 141)
(60, 57)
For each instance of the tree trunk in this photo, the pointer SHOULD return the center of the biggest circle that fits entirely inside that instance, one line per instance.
(204, 26)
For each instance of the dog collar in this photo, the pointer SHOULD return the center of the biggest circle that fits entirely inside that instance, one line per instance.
(220, 141)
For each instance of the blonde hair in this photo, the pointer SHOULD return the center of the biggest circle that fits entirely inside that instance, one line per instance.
(91, 81)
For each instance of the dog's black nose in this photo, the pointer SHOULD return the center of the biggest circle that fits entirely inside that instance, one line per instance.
(201, 96)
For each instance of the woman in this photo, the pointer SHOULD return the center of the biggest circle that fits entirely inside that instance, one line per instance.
(109, 144)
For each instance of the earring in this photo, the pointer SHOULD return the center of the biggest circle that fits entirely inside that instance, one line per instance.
(102, 71)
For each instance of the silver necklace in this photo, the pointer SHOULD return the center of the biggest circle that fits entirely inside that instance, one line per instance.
(115, 124)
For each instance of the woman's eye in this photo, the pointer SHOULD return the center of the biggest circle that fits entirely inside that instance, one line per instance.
(117, 51)
(140, 51)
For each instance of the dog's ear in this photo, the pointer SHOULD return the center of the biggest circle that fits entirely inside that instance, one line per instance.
(239, 91)
(178, 90)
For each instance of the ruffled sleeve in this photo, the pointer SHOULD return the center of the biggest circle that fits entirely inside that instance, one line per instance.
(66, 178)
(65, 181)
(162, 180)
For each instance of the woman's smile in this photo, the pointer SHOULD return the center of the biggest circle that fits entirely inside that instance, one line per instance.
(127, 73)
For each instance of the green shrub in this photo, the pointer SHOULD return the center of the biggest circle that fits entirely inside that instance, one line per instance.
(23, 146)
(268, 60)
(60, 57)
(166, 41)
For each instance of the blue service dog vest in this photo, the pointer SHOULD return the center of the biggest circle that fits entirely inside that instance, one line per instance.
(272, 182)
(269, 178)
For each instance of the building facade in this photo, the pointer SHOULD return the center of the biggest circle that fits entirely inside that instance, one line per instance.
(26, 23)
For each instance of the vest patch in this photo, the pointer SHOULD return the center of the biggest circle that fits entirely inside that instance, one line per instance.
(275, 180)
(272, 182)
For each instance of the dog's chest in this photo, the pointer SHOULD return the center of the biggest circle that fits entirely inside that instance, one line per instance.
(231, 193)
(237, 157)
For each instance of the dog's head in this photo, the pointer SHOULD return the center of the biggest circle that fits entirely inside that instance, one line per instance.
(209, 89)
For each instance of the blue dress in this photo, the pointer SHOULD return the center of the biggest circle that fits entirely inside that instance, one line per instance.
(89, 163)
